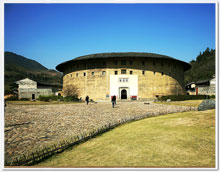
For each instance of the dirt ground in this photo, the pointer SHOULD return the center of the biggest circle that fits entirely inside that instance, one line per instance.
(30, 127)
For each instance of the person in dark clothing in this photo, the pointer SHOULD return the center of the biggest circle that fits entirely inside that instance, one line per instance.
(87, 100)
(113, 101)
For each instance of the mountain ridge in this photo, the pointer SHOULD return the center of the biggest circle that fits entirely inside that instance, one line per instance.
(13, 58)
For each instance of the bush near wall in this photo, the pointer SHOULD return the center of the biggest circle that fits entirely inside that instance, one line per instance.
(56, 98)
(185, 97)
(49, 98)
(71, 98)
(24, 99)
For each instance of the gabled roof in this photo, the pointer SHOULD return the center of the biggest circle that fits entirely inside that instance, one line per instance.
(190, 83)
(38, 83)
(47, 84)
(201, 82)
(24, 81)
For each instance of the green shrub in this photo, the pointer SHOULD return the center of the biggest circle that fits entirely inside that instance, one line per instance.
(24, 99)
(44, 98)
(71, 99)
(212, 97)
(50, 97)
(183, 97)
(12, 98)
(53, 97)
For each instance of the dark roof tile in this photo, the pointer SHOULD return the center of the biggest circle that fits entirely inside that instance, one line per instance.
(120, 54)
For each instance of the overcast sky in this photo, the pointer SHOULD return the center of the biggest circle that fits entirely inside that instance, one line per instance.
(54, 33)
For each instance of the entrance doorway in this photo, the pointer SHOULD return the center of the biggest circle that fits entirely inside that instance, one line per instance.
(33, 96)
(123, 94)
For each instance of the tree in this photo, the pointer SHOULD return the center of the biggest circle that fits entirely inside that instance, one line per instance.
(202, 68)
(70, 91)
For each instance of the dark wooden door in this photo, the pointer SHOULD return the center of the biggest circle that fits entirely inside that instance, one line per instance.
(123, 94)
(33, 96)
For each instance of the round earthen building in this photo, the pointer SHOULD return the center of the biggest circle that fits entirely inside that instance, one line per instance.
(127, 75)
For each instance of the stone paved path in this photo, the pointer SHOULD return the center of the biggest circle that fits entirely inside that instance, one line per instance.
(30, 127)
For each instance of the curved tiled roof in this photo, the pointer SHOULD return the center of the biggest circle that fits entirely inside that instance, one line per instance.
(60, 67)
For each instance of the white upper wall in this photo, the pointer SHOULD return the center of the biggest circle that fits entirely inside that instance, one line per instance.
(27, 83)
(123, 81)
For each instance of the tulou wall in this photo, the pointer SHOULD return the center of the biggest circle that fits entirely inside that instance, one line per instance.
(142, 78)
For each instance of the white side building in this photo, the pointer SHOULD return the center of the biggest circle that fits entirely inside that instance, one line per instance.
(30, 89)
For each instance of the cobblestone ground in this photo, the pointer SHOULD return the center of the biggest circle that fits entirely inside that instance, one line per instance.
(30, 127)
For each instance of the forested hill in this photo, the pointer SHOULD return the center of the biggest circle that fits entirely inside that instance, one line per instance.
(18, 67)
(202, 68)
(14, 59)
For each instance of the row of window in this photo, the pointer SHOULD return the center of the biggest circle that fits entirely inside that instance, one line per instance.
(93, 73)
(123, 71)
(124, 62)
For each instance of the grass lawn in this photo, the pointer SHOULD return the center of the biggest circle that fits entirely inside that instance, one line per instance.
(175, 140)
(38, 102)
(194, 103)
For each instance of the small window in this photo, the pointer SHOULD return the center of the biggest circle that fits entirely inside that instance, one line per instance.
(116, 62)
(123, 62)
(143, 63)
(84, 74)
(103, 72)
(131, 62)
(93, 73)
(116, 72)
(77, 74)
(131, 72)
(143, 72)
(123, 71)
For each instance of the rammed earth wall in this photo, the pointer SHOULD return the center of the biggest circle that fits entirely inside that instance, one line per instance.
(155, 77)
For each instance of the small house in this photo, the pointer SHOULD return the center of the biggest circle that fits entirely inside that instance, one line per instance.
(30, 89)
(203, 87)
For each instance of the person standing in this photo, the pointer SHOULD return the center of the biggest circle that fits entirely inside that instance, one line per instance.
(113, 101)
(87, 100)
